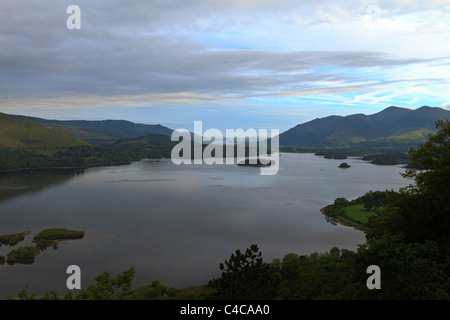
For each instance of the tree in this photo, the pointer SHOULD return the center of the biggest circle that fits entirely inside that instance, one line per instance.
(24, 294)
(421, 211)
(368, 200)
(410, 240)
(317, 276)
(245, 276)
(108, 288)
(408, 270)
(341, 202)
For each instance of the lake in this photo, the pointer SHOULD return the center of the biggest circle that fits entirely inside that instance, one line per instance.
(176, 224)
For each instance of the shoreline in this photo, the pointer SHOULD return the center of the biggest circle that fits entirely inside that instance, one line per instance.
(70, 167)
(345, 221)
(404, 165)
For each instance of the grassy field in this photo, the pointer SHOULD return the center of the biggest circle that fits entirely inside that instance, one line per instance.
(358, 213)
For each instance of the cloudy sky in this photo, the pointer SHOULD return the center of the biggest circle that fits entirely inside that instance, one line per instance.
(231, 64)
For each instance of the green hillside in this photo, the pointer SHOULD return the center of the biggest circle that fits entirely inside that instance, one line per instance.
(30, 136)
(100, 132)
(152, 146)
(409, 136)
(392, 127)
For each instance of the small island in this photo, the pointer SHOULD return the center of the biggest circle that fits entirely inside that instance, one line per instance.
(51, 237)
(24, 255)
(43, 240)
(13, 238)
(344, 165)
(257, 163)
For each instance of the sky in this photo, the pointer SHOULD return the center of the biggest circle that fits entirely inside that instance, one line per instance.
(262, 64)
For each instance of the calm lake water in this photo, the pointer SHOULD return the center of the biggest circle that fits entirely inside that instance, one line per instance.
(176, 224)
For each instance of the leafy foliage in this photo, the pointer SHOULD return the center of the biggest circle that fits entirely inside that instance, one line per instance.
(245, 276)
(317, 276)
(409, 270)
(421, 211)
(23, 255)
(108, 288)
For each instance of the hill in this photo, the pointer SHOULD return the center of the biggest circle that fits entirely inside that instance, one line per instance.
(100, 132)
(392, 127)
(18, 134)
(39, 144)
(152, 145)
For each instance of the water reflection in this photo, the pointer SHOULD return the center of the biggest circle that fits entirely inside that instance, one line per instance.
(14, 184)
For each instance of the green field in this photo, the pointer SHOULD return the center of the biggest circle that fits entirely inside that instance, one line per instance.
(358, 213)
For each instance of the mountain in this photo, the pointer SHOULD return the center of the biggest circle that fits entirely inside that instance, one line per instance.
(100, 132)
(28, 145)
(392, 127)
(18, 134)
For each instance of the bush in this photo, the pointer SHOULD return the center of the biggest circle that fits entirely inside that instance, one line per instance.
(12, 239)
(22, 255)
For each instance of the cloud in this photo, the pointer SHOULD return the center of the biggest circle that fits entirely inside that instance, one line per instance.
(135, 53)
(82, 101)
(132, 66)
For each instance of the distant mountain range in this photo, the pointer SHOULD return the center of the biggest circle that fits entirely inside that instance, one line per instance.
(392, 127)
(100, 132)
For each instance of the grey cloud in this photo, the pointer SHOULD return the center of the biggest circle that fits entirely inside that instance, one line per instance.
(155, 64)
(135, 48)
